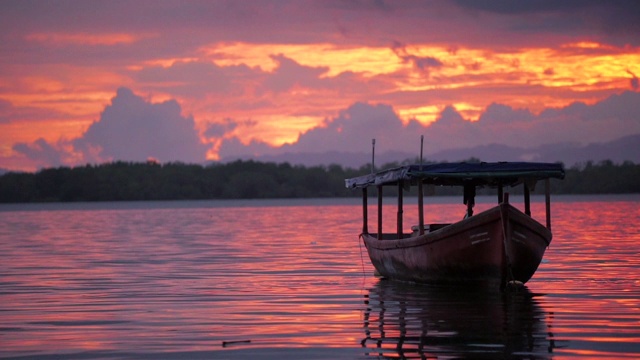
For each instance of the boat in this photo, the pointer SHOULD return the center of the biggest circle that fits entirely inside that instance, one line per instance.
(500, 246)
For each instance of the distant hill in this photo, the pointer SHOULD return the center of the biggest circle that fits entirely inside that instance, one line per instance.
(624, 149)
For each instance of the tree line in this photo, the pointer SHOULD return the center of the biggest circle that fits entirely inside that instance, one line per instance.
(120, 180)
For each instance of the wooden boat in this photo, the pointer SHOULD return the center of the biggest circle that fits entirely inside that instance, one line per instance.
(502, 245)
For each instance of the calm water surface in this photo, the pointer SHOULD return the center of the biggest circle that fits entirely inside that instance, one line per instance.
(274, 279)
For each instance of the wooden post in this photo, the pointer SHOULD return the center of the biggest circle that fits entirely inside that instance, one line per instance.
(373, 155)
(469, 198)
(527, 200)
(399, 222)
(500, 194)
(421, 193)
(365, 217)
(547, 201)
(420, 208)
(379, 212)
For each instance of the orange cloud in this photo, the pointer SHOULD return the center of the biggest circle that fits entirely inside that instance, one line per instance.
(568, 68)
(85, 38)
(288, 89)
(339, 59)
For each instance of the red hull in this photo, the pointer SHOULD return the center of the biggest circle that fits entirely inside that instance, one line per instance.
(496, 246)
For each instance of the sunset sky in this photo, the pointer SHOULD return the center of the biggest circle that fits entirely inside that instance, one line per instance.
(96, 81)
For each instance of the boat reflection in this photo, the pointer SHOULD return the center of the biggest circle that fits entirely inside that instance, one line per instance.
(418, 321)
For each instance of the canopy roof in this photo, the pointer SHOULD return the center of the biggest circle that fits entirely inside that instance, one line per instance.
(460, 174)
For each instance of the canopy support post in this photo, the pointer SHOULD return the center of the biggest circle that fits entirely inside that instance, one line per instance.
(547, 201)
(373, 155)
(400, 210)
(527, 200)
(420, 208)
(379, 212)
(420, 193)
(469, 198)
(365, 215)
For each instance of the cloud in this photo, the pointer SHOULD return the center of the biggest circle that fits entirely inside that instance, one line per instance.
(226, 127)
(220, 129)
(132, 129)
(6, 109)
(289, 74)
(83, 39)
(616, 21)
(41, 152)
(232, 148)
(194, 78)
(503, 114)
(609, 119)
(634, 81)
(287, 65)
(9, 113)
(421, 62)
(353, 129)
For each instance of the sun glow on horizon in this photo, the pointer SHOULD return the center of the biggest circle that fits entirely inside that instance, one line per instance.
(424, 114)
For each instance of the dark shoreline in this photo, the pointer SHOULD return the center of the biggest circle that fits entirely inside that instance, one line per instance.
(124, 181)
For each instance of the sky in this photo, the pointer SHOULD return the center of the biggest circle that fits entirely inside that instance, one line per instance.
(192, 81)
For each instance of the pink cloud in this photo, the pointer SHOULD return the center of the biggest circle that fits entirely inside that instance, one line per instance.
(353, 129)
(289, 74)
(195, 79)
(42, 153)
(132, 129)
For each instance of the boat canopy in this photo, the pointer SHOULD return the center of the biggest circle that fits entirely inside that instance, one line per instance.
(461, 174)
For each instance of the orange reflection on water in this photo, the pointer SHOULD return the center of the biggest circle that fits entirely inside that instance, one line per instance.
(160, 278)
(590, 271)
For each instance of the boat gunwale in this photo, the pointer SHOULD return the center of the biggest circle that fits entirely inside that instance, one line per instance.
(445, 233)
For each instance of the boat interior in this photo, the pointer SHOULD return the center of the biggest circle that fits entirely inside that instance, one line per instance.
(415, 231)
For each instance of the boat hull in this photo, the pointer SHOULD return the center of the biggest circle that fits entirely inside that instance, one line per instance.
(496, 246)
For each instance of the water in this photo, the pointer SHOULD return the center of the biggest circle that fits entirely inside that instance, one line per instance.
(289, 279)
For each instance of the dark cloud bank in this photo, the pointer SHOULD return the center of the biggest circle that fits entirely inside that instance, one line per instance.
(133, 129)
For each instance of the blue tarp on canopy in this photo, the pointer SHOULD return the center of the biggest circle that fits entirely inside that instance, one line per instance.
(460, 174)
